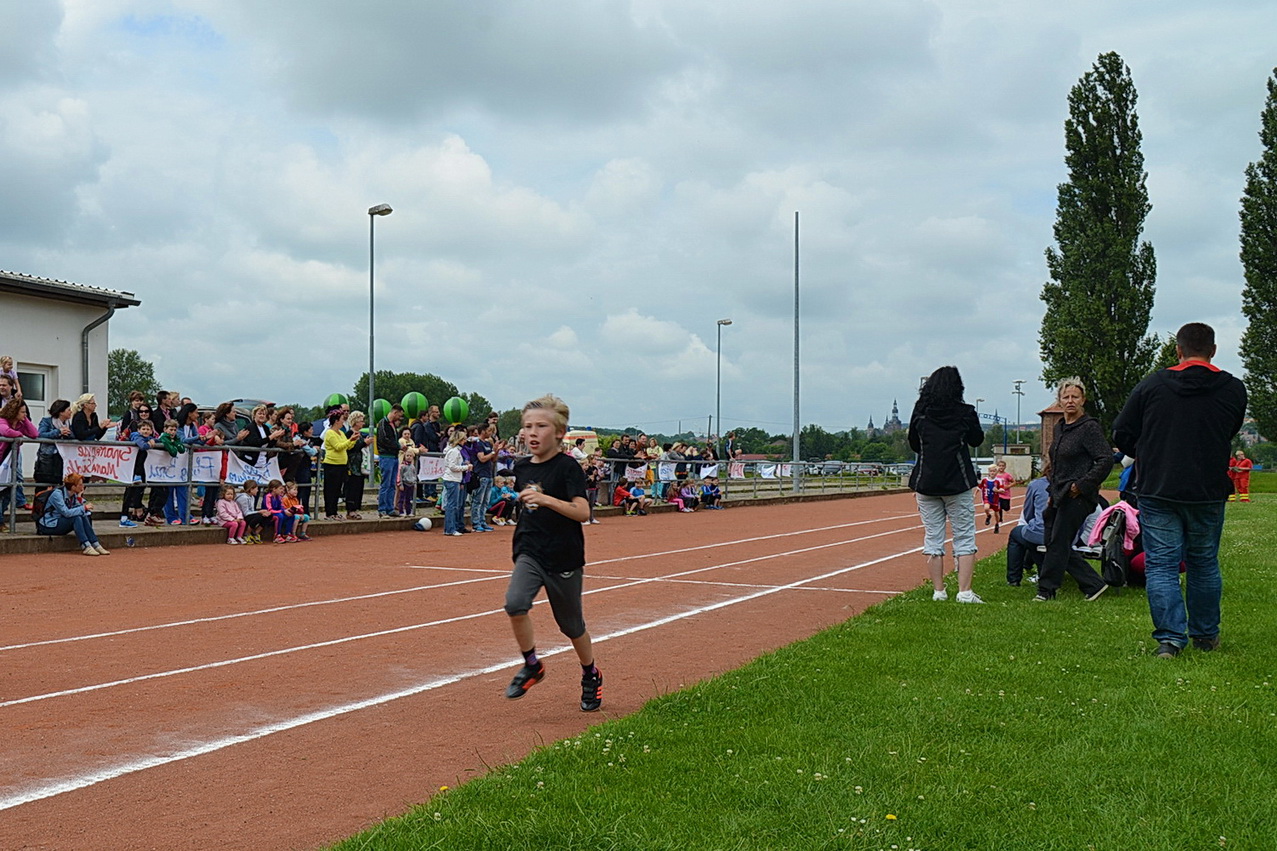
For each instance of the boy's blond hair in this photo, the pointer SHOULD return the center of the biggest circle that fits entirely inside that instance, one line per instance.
(556, 406)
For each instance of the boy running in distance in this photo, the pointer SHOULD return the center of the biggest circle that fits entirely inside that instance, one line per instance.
(549, 548)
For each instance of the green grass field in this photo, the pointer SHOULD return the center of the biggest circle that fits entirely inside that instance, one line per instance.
(922, 725)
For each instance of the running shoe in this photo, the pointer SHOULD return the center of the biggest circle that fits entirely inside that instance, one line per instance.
(126, 523)
(591, 691)
(280, 539)
(525, 679)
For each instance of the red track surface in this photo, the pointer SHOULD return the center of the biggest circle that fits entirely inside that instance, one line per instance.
(288, 696)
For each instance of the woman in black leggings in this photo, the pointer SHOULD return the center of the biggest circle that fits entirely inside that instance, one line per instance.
(336, 445)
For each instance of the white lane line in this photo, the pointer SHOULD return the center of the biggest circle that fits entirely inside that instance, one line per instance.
(836, 526)
(91, 778)
(497, 574)
(712, 584)
(502, 572)
(402, 629)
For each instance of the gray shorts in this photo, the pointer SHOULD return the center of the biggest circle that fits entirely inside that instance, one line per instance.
(959, 509)
(563, 590)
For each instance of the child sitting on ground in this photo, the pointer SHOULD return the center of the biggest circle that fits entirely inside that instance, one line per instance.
(231, 516)
(273, 508)
(293, 505)
(687, 493)
(638, 496)
(710, 494)
(621, 497)
(504, 501)
(256, 521)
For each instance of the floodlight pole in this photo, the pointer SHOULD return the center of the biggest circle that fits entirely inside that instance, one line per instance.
(373, 213)
(718, 383)
(797, 470)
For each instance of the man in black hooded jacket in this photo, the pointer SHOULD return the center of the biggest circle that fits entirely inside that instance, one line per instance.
(1178, 424)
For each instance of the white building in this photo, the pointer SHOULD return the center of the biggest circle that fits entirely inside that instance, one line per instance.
(56, 333)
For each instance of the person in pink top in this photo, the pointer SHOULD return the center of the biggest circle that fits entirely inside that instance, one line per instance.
(1007, 481)
(231, 516)
(15, 421)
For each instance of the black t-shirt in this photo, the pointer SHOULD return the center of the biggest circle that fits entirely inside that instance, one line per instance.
(555, 541)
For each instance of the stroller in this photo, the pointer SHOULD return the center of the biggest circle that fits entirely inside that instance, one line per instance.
(1120, 566)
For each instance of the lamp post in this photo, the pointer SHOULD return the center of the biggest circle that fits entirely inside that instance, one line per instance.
(1019, 394)
(718, 381)
(977, 413)
(373, 213)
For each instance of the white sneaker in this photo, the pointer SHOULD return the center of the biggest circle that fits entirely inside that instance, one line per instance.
(968, 597)
(102, 551)
(231, 541)
(89, 550)
(939, 596)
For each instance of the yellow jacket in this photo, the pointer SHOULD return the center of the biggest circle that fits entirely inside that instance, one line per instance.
(335, 446)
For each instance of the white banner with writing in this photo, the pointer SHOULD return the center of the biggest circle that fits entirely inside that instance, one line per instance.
(736, 470)
(766, 471)
(104, 462)
(162, 468)
(665, 471)
(6, 468)
(430, 467)
(239, 471)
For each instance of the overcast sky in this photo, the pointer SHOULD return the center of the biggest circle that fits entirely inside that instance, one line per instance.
(582, 188)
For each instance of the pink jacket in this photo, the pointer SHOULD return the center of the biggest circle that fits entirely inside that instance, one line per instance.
(1132, 524)
(25, 429)
(228, 511)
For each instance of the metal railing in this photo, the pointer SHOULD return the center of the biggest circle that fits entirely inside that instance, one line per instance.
(738, 480)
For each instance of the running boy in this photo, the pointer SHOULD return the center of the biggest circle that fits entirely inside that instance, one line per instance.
(991, 493)
(549, 548)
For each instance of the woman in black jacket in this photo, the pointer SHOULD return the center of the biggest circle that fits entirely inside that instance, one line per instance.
(84, 419)
(941, 429)
(1080, 459)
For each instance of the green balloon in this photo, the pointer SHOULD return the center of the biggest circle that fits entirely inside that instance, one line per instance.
(455, 410)
(380, 410)
(414, 405)
(335, 399)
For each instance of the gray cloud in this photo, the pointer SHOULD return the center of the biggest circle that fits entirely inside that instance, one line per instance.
(582, 189)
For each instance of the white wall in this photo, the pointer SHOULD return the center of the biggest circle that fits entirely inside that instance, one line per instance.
(44, 334)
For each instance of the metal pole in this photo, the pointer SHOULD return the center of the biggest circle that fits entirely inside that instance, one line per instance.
(796, 421)
(372, 218)
(718, 381)
(1019, 394)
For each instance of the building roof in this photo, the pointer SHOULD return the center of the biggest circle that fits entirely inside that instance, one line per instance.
(32, 285)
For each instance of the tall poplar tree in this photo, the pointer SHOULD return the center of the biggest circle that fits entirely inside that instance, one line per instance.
(1259, 264)
(1100, 293)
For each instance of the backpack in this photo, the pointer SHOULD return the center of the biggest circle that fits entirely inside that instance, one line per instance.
(40, 503)
(1115, 567)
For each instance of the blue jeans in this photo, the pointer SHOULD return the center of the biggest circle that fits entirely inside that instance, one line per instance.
(82, 525)
(1022, 551)
(479, 504)
(453, 518)
(389, 467)
(1187, 532)
(175, 507)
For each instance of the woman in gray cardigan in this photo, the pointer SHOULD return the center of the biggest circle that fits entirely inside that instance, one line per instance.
(1080, 459)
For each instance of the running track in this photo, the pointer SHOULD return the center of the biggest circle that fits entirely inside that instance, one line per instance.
(288, 696)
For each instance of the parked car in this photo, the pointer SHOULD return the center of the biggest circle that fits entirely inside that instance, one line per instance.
(870, 469)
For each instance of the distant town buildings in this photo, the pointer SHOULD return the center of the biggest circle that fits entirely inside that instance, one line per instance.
(891, 426)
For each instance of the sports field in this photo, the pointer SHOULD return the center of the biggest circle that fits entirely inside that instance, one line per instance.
(289, 696)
